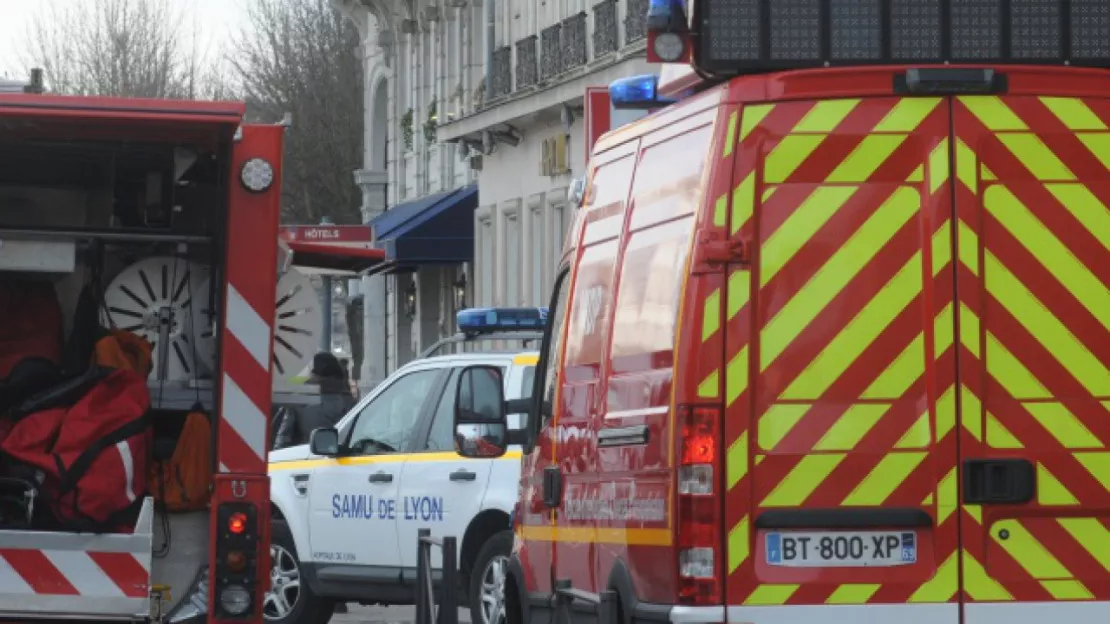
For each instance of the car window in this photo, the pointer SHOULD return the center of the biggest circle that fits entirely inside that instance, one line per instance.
(388, 421)
(552, 348)
(441, 436)
(528, 377)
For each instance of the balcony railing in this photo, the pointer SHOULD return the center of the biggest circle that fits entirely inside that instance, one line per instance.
(606, 38)
(527, 67)
(550, 56)
(502, 71)
(635, 21)
(574, 41)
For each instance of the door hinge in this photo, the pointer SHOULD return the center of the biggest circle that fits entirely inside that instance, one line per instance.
(713, 252)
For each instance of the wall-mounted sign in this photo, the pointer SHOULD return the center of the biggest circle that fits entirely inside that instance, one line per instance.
(327, 233)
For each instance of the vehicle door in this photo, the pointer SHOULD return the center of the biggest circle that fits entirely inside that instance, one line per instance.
(1033, 301)
(440, 489)
(355, 507)
(535, 542)
(579, 403)
(841, 473)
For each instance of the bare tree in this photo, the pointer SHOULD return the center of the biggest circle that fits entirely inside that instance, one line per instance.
(129, 48)
(300, 57)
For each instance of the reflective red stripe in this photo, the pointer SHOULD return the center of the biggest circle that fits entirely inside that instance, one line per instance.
(38, 572)
(125, 571)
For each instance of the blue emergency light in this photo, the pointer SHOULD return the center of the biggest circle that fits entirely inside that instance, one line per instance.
(488, 320)
(666, 14)
(637, 92)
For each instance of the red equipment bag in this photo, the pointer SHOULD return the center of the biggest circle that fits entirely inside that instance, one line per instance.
(91, 457)
(32, 326)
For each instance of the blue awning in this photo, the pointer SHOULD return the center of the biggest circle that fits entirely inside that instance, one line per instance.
(437, 229)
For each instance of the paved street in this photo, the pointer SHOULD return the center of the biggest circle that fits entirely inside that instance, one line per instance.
(386, 615)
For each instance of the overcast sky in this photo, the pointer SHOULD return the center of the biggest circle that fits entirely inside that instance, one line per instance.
(216, 20)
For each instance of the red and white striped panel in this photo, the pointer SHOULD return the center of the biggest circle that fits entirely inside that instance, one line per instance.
(31, 572)
(69, 575)
(251, 279)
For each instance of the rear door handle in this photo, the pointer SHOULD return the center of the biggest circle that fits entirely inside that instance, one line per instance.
(381, 477)
(999, 481)
(463, 475)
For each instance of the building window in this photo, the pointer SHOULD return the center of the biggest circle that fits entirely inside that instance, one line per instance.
(512, 258)
(486, 246)
(535, 243)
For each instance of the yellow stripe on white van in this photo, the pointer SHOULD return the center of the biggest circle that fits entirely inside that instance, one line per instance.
(365, 460)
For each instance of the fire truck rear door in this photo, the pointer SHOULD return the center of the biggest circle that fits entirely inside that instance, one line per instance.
(842, 490)
(1033, 286)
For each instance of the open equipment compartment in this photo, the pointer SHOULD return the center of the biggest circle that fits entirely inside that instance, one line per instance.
(127, 199)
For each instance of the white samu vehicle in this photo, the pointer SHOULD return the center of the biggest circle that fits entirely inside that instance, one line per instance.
(347, 506)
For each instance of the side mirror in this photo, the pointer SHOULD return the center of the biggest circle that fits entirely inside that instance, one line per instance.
(324, 442)
(481, 423)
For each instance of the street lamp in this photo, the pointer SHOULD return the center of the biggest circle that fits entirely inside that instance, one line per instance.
(460, 292)
(410, 300)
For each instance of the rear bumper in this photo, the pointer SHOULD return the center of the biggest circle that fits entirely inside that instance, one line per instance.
(825, 614)
(976, 613)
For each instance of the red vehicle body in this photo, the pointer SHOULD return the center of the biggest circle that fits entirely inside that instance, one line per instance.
(58, 575)
(829, 389)
(823, 305)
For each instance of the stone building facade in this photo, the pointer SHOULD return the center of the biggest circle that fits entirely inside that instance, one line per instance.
(474, 109)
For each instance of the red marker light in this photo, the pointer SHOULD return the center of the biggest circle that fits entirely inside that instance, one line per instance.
(236, 561)
(237, 523)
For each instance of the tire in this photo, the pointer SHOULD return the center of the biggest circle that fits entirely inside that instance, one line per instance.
(487, 579)
(290, 600)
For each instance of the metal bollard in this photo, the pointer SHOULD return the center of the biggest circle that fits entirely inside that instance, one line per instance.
(449, 587)
(423, 600)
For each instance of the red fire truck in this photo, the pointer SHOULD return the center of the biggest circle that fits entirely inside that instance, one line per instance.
(830, 335)
(172, 207)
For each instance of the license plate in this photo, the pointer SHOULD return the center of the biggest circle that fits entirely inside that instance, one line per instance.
(836, 549)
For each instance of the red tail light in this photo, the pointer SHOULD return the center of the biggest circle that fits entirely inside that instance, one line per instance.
(699, 509)
(236, 580)
(237, 523)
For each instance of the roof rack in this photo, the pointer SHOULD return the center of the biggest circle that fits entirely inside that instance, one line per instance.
(524, 324)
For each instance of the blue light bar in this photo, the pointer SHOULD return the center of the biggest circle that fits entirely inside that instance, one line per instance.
(637, 92)
(489, 320)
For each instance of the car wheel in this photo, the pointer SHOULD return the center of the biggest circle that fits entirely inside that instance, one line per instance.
(486, 595)
(290, 600)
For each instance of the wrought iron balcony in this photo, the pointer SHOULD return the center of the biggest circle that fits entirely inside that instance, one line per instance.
(502, 71)
(574, 41)
(635, 21)
(606, 39)
(527, 67)
(550, 58)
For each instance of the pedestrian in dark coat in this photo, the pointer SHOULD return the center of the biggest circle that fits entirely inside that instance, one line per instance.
(297, 422)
